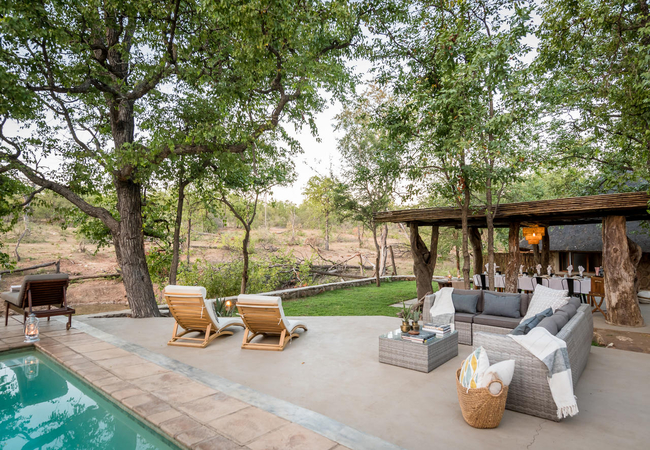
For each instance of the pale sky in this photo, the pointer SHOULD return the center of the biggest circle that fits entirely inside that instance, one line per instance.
(317, 157)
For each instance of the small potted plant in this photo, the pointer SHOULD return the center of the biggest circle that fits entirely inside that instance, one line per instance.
(415, 317)
(406, 315)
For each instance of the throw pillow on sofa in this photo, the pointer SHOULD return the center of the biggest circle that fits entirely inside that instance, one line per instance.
(543, 298)
(473, 368)
(503, 370)
(464, 303)
(507, 305)
(528, 324)
(569, 309)
(550, 325)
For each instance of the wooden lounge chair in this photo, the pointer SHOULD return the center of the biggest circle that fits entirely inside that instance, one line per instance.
(37, 291)
(264, 316)
(194, 313)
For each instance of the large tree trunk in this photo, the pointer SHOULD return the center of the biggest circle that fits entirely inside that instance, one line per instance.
(512, 270)
(384, 250)
(536, 256)
(244, 274)
(129, 238)
(546, 249)
(424, 260)
(176, 244)
(465, 217)
(621, 258)
(477, 249)
(378, 250)
(490, 248)
(129, 244)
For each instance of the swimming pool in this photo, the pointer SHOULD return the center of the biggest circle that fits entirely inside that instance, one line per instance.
(42, 405)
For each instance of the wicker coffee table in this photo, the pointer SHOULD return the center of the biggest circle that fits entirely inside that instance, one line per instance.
(414, 355)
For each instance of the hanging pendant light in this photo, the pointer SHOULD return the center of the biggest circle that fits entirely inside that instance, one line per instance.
(533, 234)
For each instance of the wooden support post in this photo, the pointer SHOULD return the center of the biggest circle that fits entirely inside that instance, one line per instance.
(546, 250)
(392, 260)
(477, 249)
(512, 269)
(621, 258)
(424, 260)
(536, 255)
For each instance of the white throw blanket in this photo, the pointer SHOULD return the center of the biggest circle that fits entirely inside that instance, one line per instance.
(552, 352)
(443, 310)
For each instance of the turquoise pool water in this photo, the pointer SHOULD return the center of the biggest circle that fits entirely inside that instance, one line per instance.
(44, 406)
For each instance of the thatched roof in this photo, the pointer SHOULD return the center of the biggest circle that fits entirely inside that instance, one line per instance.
(561, 211)
(589, 238)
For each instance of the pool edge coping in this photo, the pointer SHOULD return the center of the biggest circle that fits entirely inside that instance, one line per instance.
(338, 433)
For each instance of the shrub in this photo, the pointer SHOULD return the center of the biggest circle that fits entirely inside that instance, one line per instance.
(224, 279)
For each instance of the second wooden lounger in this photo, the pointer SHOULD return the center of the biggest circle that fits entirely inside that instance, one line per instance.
(194, 313)
(263, 315)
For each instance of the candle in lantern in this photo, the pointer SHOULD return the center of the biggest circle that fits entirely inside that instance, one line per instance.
(30, 367)
(31, 329)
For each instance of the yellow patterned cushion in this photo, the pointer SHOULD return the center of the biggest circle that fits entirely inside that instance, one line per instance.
(472, 369)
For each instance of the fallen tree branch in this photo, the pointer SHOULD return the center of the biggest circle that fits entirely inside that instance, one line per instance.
(92, 277)
(337, 274)
(37, 266)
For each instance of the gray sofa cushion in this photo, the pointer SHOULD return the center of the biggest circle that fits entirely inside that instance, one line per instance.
(525, 301)
(500, 304)
(479, 304)
(464, 303)
(560, 319)
(464, 317)
(11, 297)
(550, 325)
(569, 309)
(526, 325)
(496, 321)
(575, 302)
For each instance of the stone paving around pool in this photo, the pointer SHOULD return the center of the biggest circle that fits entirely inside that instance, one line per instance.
(193, 414)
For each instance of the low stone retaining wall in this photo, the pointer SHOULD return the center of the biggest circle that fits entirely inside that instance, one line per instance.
(285, 294)
(308, 291)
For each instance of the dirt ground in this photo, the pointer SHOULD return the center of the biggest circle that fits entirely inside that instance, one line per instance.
(48, 243)
(623, 340)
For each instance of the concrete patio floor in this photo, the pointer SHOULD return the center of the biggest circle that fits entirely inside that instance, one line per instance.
(333, 369)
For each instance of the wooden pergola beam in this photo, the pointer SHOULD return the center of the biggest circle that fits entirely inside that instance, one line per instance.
(562, 211)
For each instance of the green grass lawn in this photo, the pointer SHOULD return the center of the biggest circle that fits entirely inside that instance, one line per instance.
(358, 301)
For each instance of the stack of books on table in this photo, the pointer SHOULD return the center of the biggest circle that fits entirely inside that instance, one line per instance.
(422, 338)
(439, 330)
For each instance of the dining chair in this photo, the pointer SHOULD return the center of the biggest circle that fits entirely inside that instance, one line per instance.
(539, 280)
(574, 287)
(597, 292)
(480, 281)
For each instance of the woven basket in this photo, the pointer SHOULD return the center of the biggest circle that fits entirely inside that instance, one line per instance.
(481, 408)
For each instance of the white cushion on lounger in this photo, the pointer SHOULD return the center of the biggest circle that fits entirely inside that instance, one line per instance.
(176, 289)
(295, 323)
(263, 300)
(226, 321)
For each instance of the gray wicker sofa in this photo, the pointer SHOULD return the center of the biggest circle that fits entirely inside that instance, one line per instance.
(529, 392)
(468, 325)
